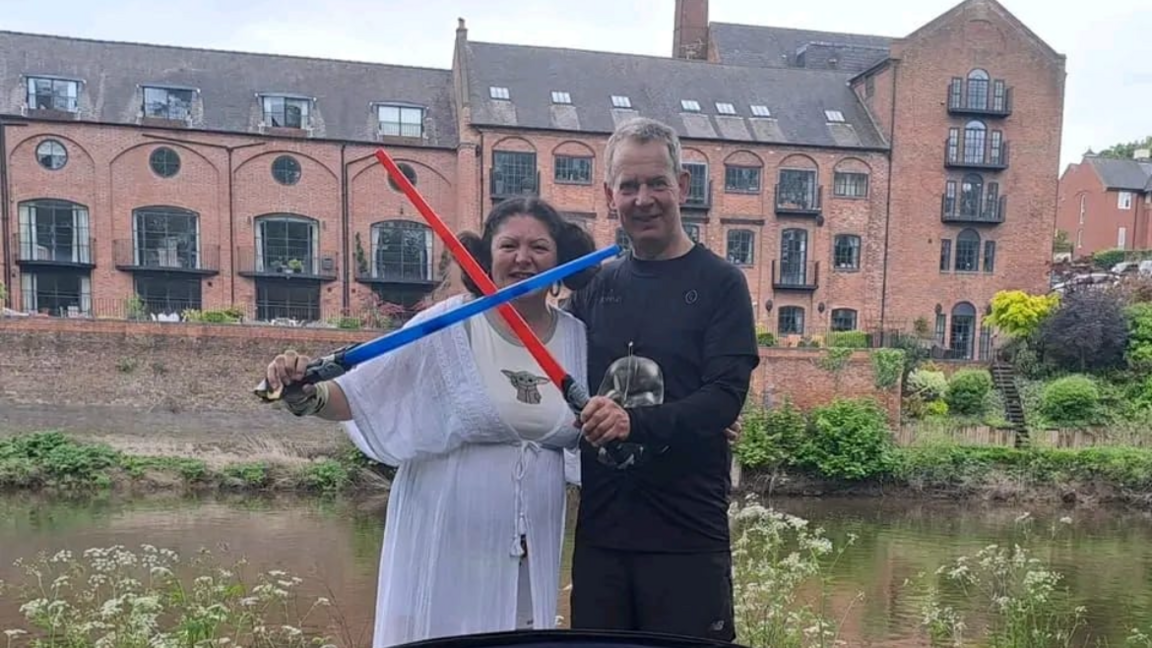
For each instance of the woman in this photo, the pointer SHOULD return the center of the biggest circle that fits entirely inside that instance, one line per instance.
(475, 519)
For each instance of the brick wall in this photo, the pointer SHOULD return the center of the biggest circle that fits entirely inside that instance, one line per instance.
(215, 367)
(796, 375)
(146, 365)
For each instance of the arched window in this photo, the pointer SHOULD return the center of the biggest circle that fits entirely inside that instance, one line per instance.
(974, 142)
(165, 237)
(978, 90)
(402, 251)
(963, 330)
(844, 319)
(54, 230)
(971, 190)
(287, 243)
(968, 251)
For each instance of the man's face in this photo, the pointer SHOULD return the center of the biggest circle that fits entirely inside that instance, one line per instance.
(646, 193)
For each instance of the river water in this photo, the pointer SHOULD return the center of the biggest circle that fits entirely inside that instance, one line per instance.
(1105, 555)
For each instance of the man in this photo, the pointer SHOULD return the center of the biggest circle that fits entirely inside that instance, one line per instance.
(653, 551)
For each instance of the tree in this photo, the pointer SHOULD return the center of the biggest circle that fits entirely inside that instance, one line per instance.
(1087, 332)
(1019, 314)
(1126, 150)
(1061, 243)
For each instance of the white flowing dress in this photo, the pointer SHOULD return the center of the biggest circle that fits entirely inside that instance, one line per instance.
(468, 485)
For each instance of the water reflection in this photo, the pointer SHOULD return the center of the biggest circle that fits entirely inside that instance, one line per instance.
(334, 545)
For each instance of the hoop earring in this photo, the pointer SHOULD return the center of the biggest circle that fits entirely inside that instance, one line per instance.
(555, 289)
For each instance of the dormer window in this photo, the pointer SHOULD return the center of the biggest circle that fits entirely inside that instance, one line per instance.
(497, 92)
(690, 105)
(400, 121)
(168, 103)
(760, 110)
(286, 112)
(834, 116)
(725, 108)
(559, 97)
(620, 101)
(50, 93)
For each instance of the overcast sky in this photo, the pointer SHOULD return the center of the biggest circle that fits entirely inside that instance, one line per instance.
(1109, 49)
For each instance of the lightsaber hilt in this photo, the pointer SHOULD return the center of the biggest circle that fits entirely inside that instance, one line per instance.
(323, 368)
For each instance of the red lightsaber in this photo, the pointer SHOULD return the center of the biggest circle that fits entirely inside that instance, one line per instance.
(575, 394)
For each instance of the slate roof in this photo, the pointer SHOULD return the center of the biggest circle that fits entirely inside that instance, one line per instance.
(227, 82)
(1121, 173)
(779, 47)
(796, 98)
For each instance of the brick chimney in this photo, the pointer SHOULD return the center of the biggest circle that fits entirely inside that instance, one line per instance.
(690, 30)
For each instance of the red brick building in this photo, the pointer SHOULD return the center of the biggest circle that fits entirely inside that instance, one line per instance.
(860, 181)
(1104, 204)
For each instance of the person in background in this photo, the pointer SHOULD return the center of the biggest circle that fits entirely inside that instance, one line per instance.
(476, 514)
(652, 547)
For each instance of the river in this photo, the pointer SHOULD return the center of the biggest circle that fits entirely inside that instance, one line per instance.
(334, 546)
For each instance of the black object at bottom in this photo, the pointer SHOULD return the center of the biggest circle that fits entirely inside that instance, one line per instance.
(570, 639)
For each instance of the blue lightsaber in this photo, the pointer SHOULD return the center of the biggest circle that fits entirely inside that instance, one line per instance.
(341, 361)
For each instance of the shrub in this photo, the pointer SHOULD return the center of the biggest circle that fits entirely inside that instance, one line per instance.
(1087, 333)
(928, 385)
(937, 408)
(847, 339)
(1139, 353)
(765, 338)
(770, 437)
(849, 439)
(1072, 400)
(968, 390)
(1019, 314)
(1105, 259)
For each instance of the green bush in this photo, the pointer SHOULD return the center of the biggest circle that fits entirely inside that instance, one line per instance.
(765, 338)
(968, 390)
(937, 408)
(1072, 400)
(770, 437)
(1105, 259)
(928, 385)
(847, 339)
(1139, 353)
(848, 439)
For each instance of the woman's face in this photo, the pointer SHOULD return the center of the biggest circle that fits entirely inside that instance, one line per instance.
(521, 248)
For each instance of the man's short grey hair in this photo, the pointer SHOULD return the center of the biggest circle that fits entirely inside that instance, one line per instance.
(642, 130)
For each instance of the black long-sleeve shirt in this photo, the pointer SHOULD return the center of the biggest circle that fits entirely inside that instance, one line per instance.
(693, 316)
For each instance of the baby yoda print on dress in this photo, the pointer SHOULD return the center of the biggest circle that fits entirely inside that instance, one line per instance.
(527, 385)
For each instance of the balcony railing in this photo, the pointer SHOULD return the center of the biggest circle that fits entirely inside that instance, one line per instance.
(803, 203)
(796, 276)
(254, 263)
(991, 157)
(399, 273)
(990, 212)
(128, 256)
(503, 185)
(986, 103)
(65, 251)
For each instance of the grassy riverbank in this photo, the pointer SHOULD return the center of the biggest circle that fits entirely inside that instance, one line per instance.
(59, 462)
(858, 463)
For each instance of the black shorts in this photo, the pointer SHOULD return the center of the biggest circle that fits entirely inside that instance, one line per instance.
(687, 594)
